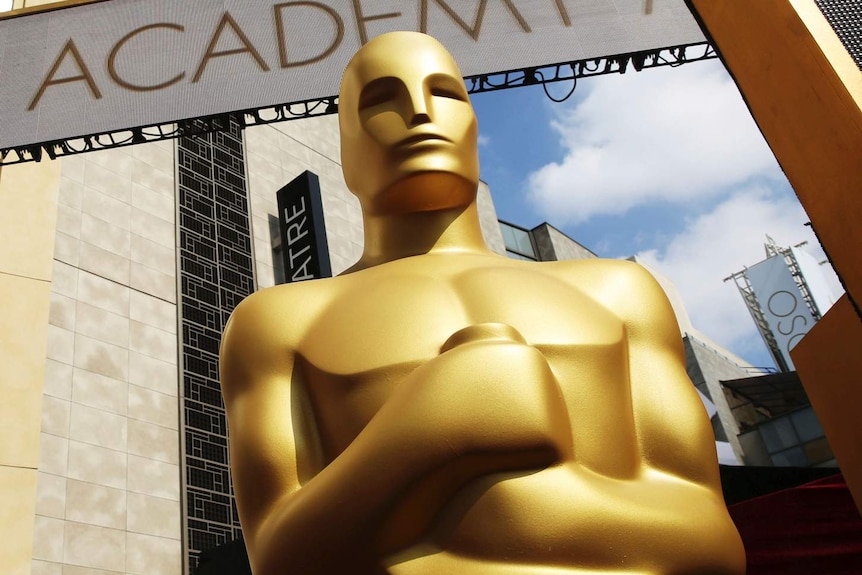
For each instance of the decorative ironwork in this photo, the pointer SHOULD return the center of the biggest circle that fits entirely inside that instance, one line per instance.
(542, 75)
(216, 273)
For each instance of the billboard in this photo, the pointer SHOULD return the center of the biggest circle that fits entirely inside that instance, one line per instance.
(107, 66)
(781, 302)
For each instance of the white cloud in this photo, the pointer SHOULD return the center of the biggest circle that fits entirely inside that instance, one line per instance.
(672, 134)
(715, 245)
(483, 140)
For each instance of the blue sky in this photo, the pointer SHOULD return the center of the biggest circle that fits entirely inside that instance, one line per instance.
(665, 163)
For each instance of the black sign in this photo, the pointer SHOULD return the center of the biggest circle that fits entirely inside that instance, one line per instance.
(303, 232)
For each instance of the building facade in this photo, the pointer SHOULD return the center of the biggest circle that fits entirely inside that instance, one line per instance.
(118, 271)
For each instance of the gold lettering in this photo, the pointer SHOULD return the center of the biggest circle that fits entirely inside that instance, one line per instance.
(361, 19)
(227, 20)
(69, 48)
(564, 13)
(472, 31)
(282, 41)
(112, 59)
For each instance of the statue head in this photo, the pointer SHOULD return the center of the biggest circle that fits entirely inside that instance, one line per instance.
(408, 131)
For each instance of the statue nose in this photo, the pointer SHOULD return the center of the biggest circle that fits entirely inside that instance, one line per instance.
(418, 112)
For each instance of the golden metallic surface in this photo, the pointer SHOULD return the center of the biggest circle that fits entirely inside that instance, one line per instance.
(439, 409)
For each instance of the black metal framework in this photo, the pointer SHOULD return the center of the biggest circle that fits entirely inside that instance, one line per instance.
(541, 75)
(845, 17)
(216, 273)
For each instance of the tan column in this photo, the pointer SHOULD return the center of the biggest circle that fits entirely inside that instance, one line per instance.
(28, 213)
(805, 92)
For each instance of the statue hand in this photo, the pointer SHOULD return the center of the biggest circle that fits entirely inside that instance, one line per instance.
(490, 393)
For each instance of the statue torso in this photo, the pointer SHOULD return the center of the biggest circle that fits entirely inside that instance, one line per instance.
(381, 323)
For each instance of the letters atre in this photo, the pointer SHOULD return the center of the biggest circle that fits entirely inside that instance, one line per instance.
(229, 32)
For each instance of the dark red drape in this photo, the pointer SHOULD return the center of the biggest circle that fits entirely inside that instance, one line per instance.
(813, 529)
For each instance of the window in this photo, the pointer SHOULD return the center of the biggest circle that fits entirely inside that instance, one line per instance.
(519, 244)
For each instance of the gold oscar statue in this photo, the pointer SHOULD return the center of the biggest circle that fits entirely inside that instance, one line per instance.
(441, 410)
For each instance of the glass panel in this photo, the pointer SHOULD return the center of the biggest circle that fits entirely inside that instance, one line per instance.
(794, 457)
(778, 434)
(806, 424)
(517, 240)
(5, 5)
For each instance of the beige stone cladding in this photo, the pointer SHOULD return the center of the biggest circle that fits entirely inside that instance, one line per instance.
(108, 486)
(488, 220)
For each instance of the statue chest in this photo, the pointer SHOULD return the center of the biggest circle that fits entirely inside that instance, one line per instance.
(396, 319)
(378, 332)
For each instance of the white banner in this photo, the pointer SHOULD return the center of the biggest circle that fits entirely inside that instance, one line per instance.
(781, 302)
(111, 65)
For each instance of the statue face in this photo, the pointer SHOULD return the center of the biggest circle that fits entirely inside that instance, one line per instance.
(408, 131)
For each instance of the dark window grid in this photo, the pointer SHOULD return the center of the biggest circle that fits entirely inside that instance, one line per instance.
(206, 418)
(202, 391)
(214, 450)
(199, 169)
(228, 216)
(192, 186)
(195, 523)
(203, 248)
(199, 147)
(232, 181)
(234, 238)
(192, 223)
(197, 420)
(215, 512)
(210, 479)
(233, 258)
(227, 196)
(219, 533)
(200, 366)
(236, 281)
(202, 291)
(208, 236)
(228, 140)
(201, 314)
(200, 478)
(204, 395)
(211, 199)
(197, 381)
(197, 271)
(202, 338)
(196, 201)
(224, 158)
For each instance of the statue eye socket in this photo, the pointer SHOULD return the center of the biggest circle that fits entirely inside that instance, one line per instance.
(377, 92)
(445, 92)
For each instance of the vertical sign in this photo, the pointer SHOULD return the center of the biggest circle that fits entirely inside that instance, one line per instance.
(781, 302)
(303, 233)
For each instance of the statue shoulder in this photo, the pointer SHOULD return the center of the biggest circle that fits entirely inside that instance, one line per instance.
(266, 328)
(627, 289)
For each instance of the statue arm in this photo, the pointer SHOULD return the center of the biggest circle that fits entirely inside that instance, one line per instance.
(352, 512)
(672, 426)
(679, 482)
